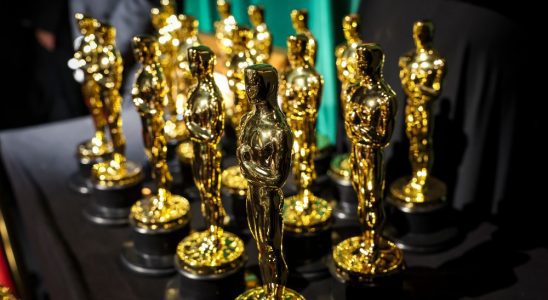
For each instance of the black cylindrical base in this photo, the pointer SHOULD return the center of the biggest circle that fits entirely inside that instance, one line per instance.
(391, 289)
(237, 212)
(422, 230)
(227, 287)
(383, 287)
(151, 252)
(347, 204)
(79, 184)
(110, 206)
(306, 254)
(186, 181)
(80, 181)
(322, 160)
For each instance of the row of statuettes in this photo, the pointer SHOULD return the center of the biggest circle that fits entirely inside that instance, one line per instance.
(174, 64)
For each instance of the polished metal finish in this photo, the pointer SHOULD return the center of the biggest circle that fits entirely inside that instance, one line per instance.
(240, 59)
(106, 71)
(224, 28)
(300, 91)
(369, 123)
(172, 37)
(421, 73)
(346, 57)
(299, 18)
(98, 147)
(264, 156)
(260, 293)
(213, 251)
(260, 45)
(161, 210)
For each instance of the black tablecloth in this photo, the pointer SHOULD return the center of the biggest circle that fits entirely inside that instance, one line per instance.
(78, 260)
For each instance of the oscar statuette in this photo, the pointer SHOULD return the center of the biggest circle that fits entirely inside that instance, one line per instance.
(160, 220)
(421, 217)
(224, 28)
(116, 182)
(168, 33)
(210, 263)
(98, 148)
(299, 19)
(264, 156)
(260, 45)
(370, 259)
(340, 169)
(322, 158)
(307, 217)
(234, 185)
(188, 37)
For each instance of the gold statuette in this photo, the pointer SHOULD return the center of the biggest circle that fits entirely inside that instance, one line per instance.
(161, 210)
(260, 45)
(369, 122)
(264, 155)
(421, 73)
(213, 251)
(224, 27)
(299, 18)
(168, 32)
(345, 55)
(107, 74)
(240, 59)
(188, 37)
(300, 91)
(98, 147)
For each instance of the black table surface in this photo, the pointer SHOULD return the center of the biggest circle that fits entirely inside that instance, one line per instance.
(80, 260)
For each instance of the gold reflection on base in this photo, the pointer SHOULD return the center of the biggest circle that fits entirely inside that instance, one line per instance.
(340, 166)
(306, 213)
(354, 262)
(94, 148)
(260, 294)
(233, 181)
(113, 173)
(209, 253)
(431, 193)
(154, 213)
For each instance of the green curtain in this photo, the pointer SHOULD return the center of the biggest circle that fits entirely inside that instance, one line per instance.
(325, 18)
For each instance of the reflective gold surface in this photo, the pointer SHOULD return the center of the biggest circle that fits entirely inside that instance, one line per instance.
(98, 146)
(264, 156)
(185, 152)
(369, 123)
(300, 93)
(240, 59)
(259, 293)
(224, 28)
(260, 45)
(233, 181)
(106, 71)
(5, 294)
(345, 55)
(299, 18)
(236, 63)
(213, 251)
(199, 254)
(172, 36)
(421, 73)
(161, 210)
